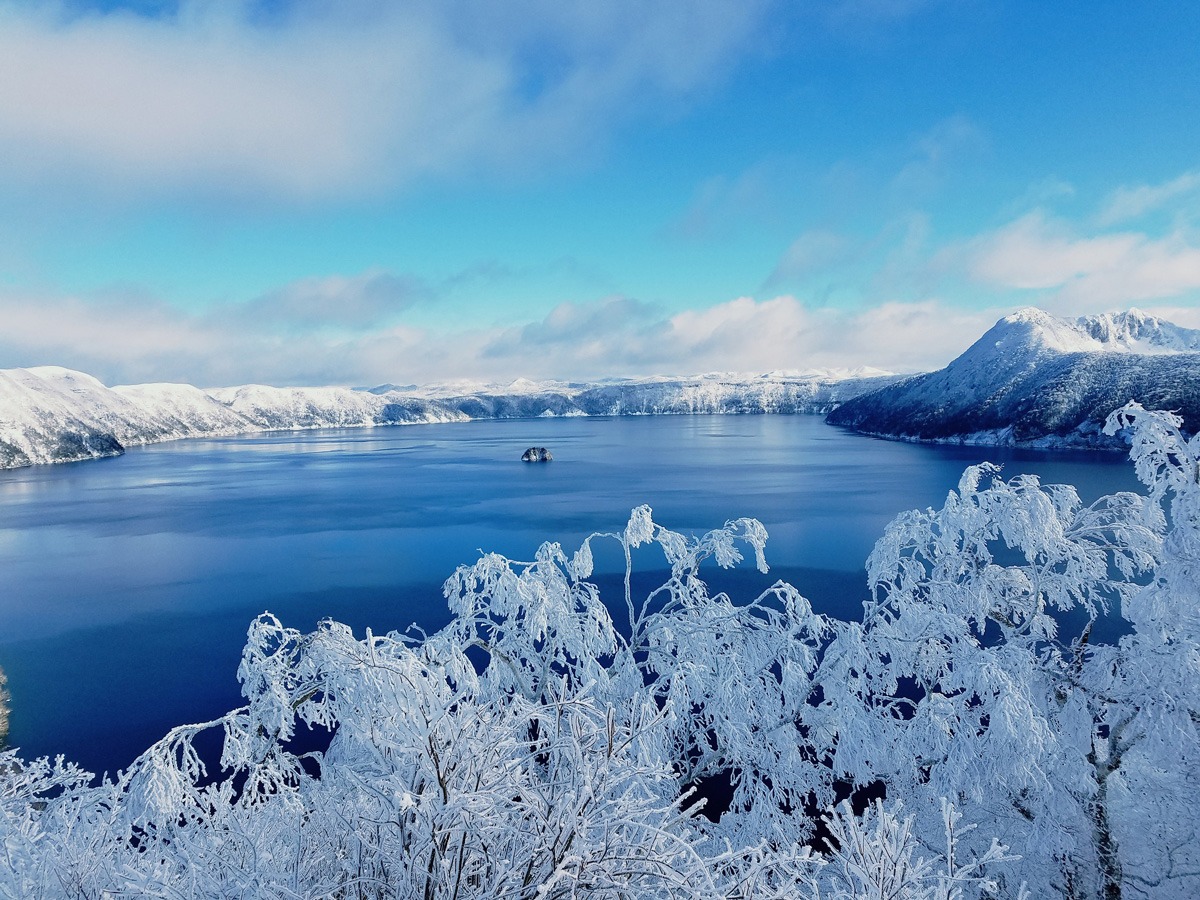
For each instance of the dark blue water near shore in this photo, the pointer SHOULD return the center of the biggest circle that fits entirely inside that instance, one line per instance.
(126, 585)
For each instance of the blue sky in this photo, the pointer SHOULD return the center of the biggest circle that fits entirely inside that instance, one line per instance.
(354, 192)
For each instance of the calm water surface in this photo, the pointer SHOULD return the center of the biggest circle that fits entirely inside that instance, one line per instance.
(126, 585)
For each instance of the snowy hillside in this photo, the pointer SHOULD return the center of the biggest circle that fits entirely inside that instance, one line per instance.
(1037, 380)
(785, 393)
(50, 414)
(285, 408)
(1032, 380)
(1135, 331)
(762, 395)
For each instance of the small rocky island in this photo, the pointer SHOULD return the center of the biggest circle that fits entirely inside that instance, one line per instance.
(536, 454)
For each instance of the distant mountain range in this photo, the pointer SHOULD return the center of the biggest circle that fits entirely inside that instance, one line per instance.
(50, 414)
(1032, 380)
(1035, 380)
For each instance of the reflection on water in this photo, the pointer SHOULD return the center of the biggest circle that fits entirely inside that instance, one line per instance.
(127, 584)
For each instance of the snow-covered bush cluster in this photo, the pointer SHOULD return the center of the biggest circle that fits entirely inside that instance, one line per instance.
(541, 746)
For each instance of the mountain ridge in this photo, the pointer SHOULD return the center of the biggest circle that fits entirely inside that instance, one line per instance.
(1037, 380)
(49, 414)
(1033, 379)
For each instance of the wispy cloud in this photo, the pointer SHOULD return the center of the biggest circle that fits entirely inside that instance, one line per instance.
(583, 330)
(1078, 271)
(1033, 252)
(723, 203)
(327, 98)
(1130, 202)
(904, 310)
(617, 336)
(941, 149)
(332, 302)
(811, 252)
(136, 338)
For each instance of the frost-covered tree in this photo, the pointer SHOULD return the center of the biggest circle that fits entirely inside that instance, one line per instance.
(727, 682)
(531, 749)
(973, 675)
(1146, 750)
(543, 746)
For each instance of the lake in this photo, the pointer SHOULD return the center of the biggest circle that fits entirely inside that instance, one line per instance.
(127, 584)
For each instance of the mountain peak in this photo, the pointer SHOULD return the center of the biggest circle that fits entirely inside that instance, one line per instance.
(1033, 330)
(1131, 331)
(1040, 380)
(63, 375)
(1028, 315)
(1136, 331)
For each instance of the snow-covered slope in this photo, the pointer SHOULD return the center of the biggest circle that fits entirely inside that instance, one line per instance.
(703, 395)
(178, 410)
(50, 414)
(718, 393)
(1033, 379)
(329, 407)
(1037, 380)
(1136, 332)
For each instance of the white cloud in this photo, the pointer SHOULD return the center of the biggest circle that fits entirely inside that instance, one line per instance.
(1082, 272)
(138, 339)
(741, 333)
(810, 253)
(125, 339)
(621, 337)
(934, 155)
(722, 204)
(1032, 252)
(1131, 202)
(333, 302)
(339, 97)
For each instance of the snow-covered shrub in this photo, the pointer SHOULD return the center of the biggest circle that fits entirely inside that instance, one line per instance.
(535, 747)
(965, 681)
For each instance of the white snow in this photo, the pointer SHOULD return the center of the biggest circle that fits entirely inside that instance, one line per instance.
(1116, 332)
(1038, 380)
(53, 414)
(1137, 332)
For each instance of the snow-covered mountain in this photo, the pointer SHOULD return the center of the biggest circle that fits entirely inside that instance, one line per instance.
(1033, 380)
(723, 393)
(50, 414)
(1037, 380)
(272, 408)
(1137, 332)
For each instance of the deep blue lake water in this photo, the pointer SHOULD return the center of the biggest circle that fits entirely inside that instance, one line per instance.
(126, 585)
